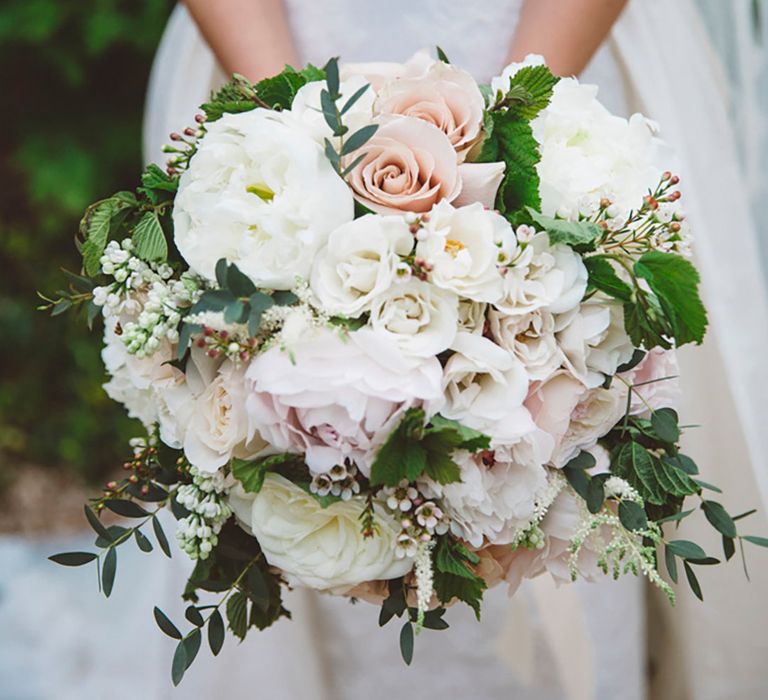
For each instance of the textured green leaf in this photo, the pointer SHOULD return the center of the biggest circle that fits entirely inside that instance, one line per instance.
(532, 87)
(149, 239)
(278, 91)
(237, 614)
(95, 228)
(467, 438)
(582, 236)
(251, 473)
(603, 277)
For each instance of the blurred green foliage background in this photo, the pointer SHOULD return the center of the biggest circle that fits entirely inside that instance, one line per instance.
(73, 78)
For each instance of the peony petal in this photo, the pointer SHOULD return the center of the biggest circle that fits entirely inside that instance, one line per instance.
(480, 182)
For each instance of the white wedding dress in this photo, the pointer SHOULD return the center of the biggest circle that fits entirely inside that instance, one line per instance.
(580, 642)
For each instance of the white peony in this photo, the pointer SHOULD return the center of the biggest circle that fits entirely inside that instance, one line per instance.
(593, 341)
(485, 387)
(359, 262)
(260, 194)
(587, 153)
(460, 246)
(418, 317)
(529, 337)
(500, 83)
(495, 498)
(472, 316)
(336, 398)
(543, 277)
(317, 547)
(306, 112)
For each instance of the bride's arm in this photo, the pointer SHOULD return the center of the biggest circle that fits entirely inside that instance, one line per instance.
(566, 32)
(251, 38)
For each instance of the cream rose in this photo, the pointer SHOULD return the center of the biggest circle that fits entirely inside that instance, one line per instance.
(410, 165)
(531, 338)
(261, 194)
(418, 317)
(445, 96)
(460, 246)
(377, 73)
(317, 547)
(359, 262)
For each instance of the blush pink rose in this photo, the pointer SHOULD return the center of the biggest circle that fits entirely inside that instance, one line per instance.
(444, 96)
(658, 375)
(410, 165)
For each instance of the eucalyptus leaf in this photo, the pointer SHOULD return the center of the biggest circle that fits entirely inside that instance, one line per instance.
(719, 518)
(632, 516)
(407, 642)
(108, 571)
(162, 540)
(686, 549)
(216, 632)
(73, 558)
(165, 624)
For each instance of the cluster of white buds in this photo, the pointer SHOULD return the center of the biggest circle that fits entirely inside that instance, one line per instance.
(512, 245)
(340, 481)
(198, 533)
(139, 445)
(420, 519)
(425, 580)
(530, 535)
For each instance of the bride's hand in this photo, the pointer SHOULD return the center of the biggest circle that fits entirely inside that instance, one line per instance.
(250, 38)
(566, 32)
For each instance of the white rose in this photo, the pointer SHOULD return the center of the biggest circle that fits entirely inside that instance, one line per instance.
(529, 337)
(317, 547)
(306, 112)
(207, 413)
(543, 277)
(460, 246)
(593, 341)
(472, 316)
(336, 398)
(500, 83)
(260, 194)
(359, 262)
(587, 153)
(418, 317)
(485, 387)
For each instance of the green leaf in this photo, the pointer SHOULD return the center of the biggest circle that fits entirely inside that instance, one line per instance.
(141, 540)
(754, 539)
(719, 518)
(192, 645)
(406, 642)
(251, 473)
(602, 276)
(675, 517)
(237, 614)
(193, 615)
(239, 283)
(257, 588)
(441, 55)
(583, 460)
(96, 524)
(453, 576)
(729, 548)
(578, 480)
(637, 357)
(397, 456)
(73, 558)
(312, 74)
(259, 303)
(693, 582)
(452, 557)
(284, 298)
(95, 228)
(706, 485)
(278, 91)
(354, 98)
(746, 514)
(164, 623)
(439, 465)
(332, 76)
(128, 509)
(582, 236)
(632, 516)
(470, 591)
(671, 562)
(664, 422)
(686, 549)
(433, 620)
(162, 540)
(468, 438)
(179, 664)
(532, 86)
(358, 139)
(115, 532)
(216, 632)
(595, 493)
(149, 239)
(155, 178)
(108, 571)
(675, 282)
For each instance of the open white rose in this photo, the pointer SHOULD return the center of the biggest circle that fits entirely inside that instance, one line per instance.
(260, 194)
(543, 277)
(485, 387)
(334, 398)
(460, 246)
(317, 547)
(359, 262)
(587, 153)
(418, 317)
(306, 112)
(593, 341)
(529, 337)
(472, 316)
(445, 96)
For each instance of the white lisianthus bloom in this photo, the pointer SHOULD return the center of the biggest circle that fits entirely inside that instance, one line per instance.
(260, 194)
(306, 112)
(529, 337)
(485, 387)
(335, 398)
(494, 499)
(418, 317)
(543, 277)
(315, 546)
(500, 83)
(460, 246)
(593, 341)
(208, 411)
(587, 153)
(359, 262)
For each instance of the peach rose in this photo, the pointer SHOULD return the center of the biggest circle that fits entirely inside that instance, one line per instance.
(410, 165)
(377, 73)
(445, 96)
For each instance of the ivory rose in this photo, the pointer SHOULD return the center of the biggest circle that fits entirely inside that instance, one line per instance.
(315, 546)
(359, 262)
(445, 96)
(410, 165)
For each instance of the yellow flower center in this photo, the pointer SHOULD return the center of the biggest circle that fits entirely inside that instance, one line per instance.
(261, 191)
(453, 247)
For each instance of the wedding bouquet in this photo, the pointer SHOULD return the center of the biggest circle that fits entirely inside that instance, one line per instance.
(400, 337)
